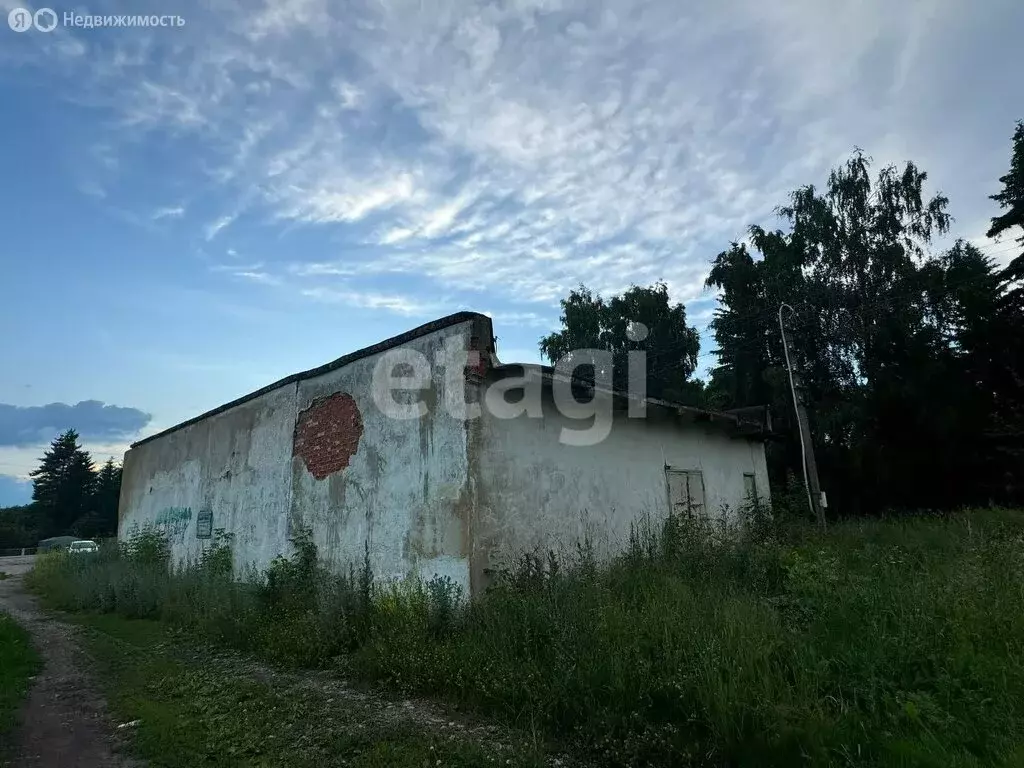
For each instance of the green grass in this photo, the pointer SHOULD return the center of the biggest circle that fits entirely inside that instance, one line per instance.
(878, 643)
(18, 662)
(201, 713)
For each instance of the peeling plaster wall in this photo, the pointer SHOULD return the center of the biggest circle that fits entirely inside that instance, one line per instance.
(430, 496)
(398, 490)
(236, 464)
(400, 494)
(536, 492)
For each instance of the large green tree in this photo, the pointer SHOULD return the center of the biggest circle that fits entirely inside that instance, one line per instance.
(100, 519)
(639, 319)
(19, 527)
(1005, 331)
(893, 340)
(106, 497)
(1011, 201)
(63, 484)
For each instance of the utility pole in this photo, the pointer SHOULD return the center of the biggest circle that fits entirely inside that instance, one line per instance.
(815, 498)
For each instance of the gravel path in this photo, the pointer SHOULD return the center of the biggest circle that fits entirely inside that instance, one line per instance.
(64, 722)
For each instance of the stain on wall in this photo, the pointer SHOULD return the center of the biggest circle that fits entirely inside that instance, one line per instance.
(436, 496)
(204, 524)
(327, 434)
(174, 520)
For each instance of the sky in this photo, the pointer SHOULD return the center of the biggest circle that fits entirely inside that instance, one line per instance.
(191, 212)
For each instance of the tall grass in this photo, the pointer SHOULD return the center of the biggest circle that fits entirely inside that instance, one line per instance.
(19, 661)
(295, 613)
(894, 642)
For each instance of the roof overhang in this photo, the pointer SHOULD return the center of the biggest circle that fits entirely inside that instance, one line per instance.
(753, 422)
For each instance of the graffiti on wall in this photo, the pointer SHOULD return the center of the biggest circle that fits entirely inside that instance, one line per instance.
(174, 520)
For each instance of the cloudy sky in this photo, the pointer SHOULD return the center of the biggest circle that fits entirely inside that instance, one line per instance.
(191, 212)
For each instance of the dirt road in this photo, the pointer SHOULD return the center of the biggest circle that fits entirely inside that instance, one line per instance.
(64, 722)
(17, 566)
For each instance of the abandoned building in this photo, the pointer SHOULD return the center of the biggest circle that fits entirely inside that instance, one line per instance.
(432, 490)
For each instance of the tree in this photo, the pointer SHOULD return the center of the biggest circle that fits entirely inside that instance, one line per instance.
(1012, 197)
(1008, 320)
(894, 342)
(18, 527)
(105, 500)
(63, 485)
(638, 319)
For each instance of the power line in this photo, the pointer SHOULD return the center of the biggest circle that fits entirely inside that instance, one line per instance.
(1003, 250)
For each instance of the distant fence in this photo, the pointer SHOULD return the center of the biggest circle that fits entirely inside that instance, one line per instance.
(17, 551)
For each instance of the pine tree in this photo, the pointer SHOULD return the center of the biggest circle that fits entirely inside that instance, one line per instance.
(63, 485)
(1007, 380)
(1012, 197)
(105, 499)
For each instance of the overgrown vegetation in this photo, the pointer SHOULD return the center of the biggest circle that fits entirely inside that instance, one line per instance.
(18, 528)
(294, 613)
(886, 642)
(18, 662)
(191, 712)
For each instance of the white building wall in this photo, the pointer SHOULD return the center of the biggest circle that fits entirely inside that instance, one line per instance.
(538, 493)
(235, 464)
(435, 495)
(404, 497)
(402, 494)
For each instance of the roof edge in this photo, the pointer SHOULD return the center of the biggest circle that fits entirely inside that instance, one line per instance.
(740, 418)
(373, 349)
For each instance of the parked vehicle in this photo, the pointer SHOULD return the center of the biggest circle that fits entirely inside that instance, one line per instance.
(83, 545)
(59, 543)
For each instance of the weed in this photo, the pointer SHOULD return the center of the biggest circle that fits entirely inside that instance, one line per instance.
(884, 642)
(197, 713)
(18, 662)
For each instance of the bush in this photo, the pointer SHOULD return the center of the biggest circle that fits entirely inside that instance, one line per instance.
(756, 645)
(768, 643)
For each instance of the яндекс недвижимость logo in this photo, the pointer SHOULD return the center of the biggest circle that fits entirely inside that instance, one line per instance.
(22, 19)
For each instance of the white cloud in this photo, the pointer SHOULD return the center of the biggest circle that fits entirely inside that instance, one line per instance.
(257, 277)
(157, 104)
(523, 319)
(348, 94)
(399, 304)
(253, 273)
(334, 199)
(516, 149)
(214, 227)
(92, 189)
(314, 269)
(171, 212)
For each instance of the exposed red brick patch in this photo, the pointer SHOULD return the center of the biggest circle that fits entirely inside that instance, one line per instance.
(478, 357)
(327, 434)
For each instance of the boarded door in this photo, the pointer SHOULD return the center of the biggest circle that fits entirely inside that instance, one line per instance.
(686, 492)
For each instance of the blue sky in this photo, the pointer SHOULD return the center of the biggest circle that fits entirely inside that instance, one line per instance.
(191, 212)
